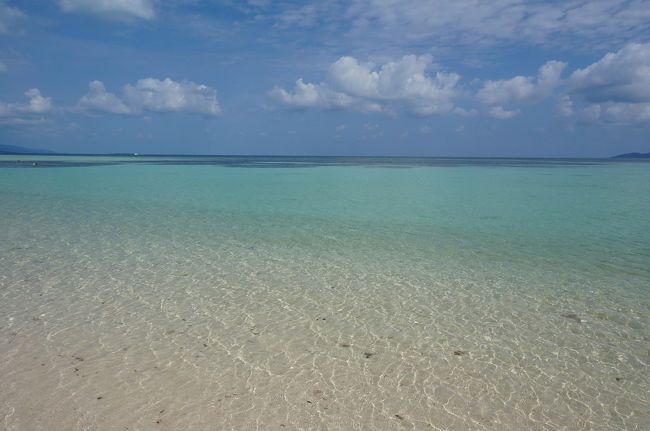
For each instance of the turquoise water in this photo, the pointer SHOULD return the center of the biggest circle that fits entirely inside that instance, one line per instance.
(338, 293)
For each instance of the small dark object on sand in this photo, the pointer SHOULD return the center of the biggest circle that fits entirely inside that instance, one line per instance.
(367, 354)
(400, 417)
(459, 352)
(344, 345)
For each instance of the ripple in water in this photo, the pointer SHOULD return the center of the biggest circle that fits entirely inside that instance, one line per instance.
(203, 297)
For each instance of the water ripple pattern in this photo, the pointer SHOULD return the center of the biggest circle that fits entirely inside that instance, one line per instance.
(340, 296)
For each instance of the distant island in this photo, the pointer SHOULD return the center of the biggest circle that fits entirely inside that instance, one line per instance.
(633, 156)
(15, 149)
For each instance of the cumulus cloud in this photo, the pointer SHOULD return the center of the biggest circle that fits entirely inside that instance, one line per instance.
(306, 95)
(506, 91)
(363, 86)
(622, 76)
(152, 95)
(498, 93)
(171, 96)
(124, 10)
(29, 112)
(98, 99)
(146, 95)
(616, 88)
(36, 104)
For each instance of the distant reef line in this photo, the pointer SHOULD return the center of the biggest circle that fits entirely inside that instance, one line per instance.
(18, 150)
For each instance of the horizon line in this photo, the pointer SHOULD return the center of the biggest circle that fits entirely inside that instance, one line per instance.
(137, 154)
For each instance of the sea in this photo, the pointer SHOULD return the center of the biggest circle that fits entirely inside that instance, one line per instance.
(324, 293)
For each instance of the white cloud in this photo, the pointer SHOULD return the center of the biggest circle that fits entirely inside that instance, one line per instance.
(506, 91)
(98, 99)
(306, 95)
(351, 84)
(124, 10)
(622, 76)
(38, 104)
(523, 88)
(519, 89)
(616, 88)
(152, 95)
(404, 81)
(26, 113)
(146, 95)
(9, 16)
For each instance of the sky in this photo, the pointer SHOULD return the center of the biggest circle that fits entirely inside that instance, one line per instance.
(359, 77)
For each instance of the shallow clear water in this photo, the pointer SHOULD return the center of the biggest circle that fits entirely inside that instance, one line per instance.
(334, 293)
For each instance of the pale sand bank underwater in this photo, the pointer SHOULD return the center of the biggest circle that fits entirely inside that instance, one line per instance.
(486, 296)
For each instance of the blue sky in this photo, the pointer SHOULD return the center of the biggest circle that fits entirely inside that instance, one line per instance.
(361, 77)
